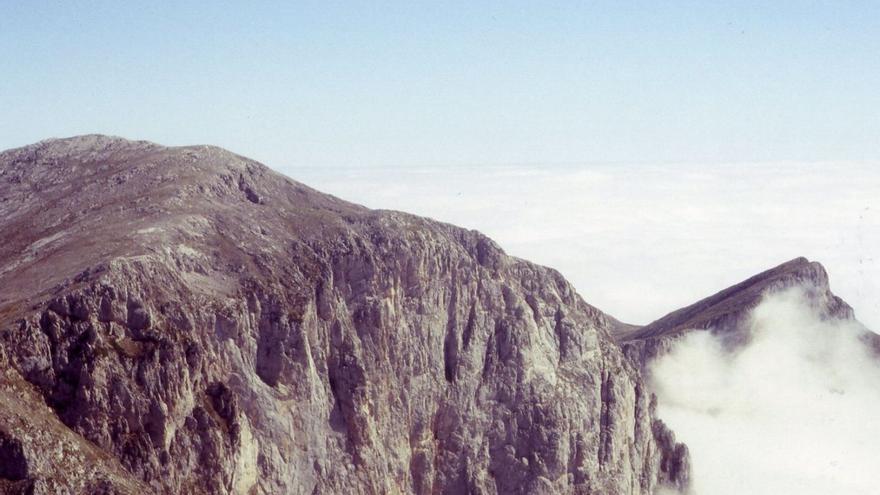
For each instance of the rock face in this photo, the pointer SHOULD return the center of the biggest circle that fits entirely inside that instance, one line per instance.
(724, 313)
(185, 320)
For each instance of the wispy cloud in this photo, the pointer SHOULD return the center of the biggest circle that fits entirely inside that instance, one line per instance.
(793, 412)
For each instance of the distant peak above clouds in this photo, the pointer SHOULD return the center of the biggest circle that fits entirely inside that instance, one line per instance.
(723, 310)
(726, 314)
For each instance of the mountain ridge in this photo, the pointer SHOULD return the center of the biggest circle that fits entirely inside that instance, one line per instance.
(212, 326)
(725, 313)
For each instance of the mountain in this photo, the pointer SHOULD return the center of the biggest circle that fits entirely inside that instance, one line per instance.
(186, 320)
(725, 312)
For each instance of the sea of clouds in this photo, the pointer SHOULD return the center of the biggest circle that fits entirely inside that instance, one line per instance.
(794, 412)
(639, 241)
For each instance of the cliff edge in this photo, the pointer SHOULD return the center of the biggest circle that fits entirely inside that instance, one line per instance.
(186, 320)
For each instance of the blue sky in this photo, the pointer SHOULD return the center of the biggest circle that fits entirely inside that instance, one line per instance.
(453, 83)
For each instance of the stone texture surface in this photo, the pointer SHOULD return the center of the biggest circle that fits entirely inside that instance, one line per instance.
(185, 320)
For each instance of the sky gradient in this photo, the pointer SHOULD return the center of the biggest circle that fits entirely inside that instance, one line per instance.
(424, 83)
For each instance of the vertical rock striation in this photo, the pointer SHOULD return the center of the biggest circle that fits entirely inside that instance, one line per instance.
(200, 324)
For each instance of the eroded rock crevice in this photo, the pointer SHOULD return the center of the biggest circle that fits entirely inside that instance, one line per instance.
(204, 325)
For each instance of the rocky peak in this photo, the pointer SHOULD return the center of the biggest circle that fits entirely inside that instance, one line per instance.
(185, 320)
(722, 310)
(725, 311)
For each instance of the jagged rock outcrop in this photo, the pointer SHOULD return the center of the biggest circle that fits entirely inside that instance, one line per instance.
(185, 320)
(725, 313)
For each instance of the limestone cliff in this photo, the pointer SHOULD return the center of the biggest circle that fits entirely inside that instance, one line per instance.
(185, 320)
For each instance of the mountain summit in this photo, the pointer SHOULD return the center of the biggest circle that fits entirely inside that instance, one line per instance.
(186, 320)
(726, 312)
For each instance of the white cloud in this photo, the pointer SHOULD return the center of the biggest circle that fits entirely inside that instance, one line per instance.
(796, 411)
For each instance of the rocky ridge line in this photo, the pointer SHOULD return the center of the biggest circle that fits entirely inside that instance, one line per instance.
(205, 325)
(725, 313)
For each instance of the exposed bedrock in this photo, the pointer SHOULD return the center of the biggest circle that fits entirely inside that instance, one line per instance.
(202, 324)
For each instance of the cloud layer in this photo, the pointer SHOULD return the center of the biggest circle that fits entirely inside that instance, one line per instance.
(639, 241)
(797, 411)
